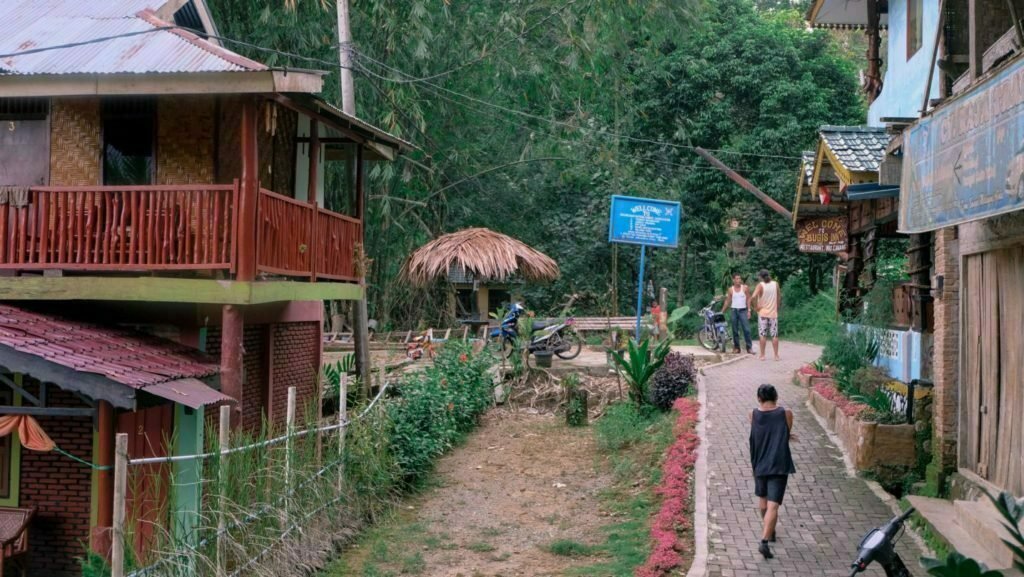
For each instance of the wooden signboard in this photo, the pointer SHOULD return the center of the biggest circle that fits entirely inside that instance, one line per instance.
(822, 235)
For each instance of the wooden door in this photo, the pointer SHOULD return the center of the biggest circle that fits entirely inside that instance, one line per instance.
(992, 367)
(149, 433)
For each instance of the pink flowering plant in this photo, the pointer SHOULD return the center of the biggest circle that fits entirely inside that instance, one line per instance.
(671, 527)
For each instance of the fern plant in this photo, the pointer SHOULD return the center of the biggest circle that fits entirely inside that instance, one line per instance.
(640, 365)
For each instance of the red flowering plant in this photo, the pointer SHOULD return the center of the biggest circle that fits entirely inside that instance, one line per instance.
(671, 526)
(843, 403)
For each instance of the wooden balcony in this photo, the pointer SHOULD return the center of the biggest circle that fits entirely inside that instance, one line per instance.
(173, 229)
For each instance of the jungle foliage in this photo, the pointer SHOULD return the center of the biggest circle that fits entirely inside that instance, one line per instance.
(529, 114)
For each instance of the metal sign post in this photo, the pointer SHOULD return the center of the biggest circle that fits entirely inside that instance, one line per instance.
(646, 222)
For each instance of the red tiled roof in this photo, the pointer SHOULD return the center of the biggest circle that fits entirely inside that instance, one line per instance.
(127, 357)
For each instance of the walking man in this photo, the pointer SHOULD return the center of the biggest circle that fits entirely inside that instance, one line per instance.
(736, 299)
(770, 433)
(768, 298)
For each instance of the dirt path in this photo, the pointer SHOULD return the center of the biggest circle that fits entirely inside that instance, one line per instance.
(521, 482)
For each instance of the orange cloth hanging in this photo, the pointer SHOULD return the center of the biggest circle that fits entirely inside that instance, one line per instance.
(31, 435)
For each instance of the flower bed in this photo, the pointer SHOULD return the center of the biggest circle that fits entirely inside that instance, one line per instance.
(871, 446)
(670, 526)
(807, 375)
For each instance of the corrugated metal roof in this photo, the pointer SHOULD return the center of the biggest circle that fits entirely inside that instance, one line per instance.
(34, 24)
(858, 148)
(157, 366)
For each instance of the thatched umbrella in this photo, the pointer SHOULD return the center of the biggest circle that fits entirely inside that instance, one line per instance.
(487, 255)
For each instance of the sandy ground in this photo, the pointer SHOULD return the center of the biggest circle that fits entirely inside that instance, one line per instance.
(522, 481)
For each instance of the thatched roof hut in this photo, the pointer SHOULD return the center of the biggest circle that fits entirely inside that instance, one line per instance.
(486, 255)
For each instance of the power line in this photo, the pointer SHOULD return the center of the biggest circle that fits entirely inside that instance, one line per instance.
(28, 51)
(595, 147)
(368, 71)
(409, 79)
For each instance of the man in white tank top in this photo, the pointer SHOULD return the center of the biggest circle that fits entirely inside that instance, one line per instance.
(768, 298)
(736, 299)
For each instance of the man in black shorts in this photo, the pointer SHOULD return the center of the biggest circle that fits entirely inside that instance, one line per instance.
(770, 457)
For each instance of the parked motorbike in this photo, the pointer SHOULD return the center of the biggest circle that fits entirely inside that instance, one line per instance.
(559, 338)
(879, 545)
(712, 335)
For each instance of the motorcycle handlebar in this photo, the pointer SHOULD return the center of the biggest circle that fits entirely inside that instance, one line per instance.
(906, 515)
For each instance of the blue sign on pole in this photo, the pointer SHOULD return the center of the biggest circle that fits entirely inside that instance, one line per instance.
(645, 221)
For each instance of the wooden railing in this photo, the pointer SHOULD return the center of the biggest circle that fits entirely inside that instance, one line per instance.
(284, 235)
(339, 235)
(171, 228)
(295, 238)
(110, 228)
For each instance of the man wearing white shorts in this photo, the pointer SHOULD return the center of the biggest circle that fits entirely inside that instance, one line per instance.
(767, 297)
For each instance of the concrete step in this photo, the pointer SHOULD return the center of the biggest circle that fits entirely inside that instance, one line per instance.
(983, 522)
(941, 517)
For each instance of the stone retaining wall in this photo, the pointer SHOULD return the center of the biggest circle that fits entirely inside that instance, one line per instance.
(869, 445)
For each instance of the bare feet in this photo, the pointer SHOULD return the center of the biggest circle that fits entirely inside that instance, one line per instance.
(778, 358)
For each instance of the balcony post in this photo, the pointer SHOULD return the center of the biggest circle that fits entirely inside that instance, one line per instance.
(231, 364)
(248, 192)
(361, 320)
(314, 165)
(104, 479)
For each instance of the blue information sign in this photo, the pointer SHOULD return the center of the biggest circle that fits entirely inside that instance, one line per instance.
(644, 221)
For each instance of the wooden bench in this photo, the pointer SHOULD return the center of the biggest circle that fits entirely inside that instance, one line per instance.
(14, 537)
(604, 324)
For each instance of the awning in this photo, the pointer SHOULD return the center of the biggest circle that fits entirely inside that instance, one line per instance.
(189, 392)
(103, 362)
(871, 191)
(842, 14)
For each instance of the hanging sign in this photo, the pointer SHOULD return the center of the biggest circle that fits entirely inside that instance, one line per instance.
(822, 235)
(644, 221)
(965, 161)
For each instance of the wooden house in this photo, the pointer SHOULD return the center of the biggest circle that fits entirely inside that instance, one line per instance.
(169, 231)
(953, 98)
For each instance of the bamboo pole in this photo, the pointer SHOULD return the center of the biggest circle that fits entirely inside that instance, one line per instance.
(225, 429)
(744, 183)
(342, 416)
(120, 494)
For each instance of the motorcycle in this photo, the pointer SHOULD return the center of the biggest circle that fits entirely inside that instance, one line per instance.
(558, 338)
(880, 545)
(712, 335)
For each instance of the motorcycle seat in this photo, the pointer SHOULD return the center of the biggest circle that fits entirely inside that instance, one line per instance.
(541, 325)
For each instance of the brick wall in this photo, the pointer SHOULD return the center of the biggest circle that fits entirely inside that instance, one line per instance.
(296, 364)
(75, 129)
(184, 149)
(61, 491)
(946, 348)
(254, 389)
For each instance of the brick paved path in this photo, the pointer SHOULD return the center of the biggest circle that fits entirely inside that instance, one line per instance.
(825, 513)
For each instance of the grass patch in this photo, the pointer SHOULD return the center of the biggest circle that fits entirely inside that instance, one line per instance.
(632, 443)
(570, 548)
(481, 547)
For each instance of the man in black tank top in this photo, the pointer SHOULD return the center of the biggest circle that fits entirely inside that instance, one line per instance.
(770, 457)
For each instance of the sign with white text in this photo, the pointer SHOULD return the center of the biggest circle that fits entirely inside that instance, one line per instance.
(644, 221)
(965, 161)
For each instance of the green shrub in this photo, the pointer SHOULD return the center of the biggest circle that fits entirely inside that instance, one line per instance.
(672, 380)
(575, 406)
(640, 366)
(810, 319)
(436, 407)
(848, 351)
